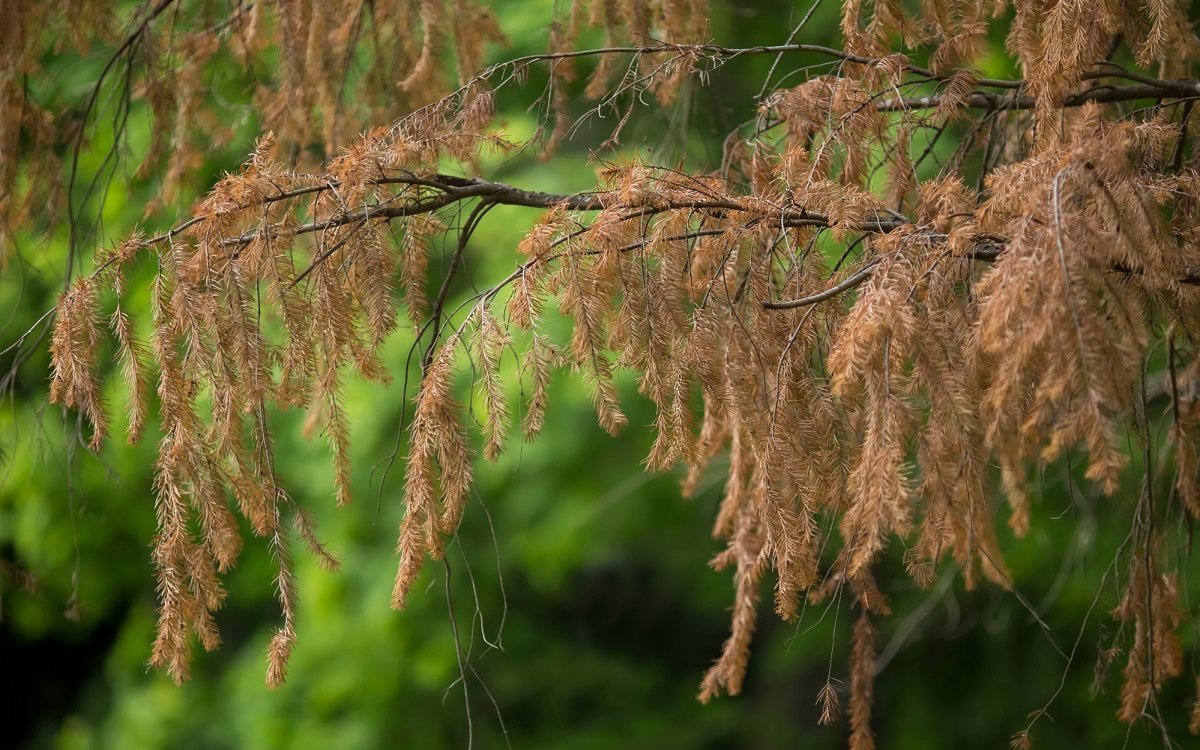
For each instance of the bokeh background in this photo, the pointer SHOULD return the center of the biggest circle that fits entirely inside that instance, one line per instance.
(575, 608)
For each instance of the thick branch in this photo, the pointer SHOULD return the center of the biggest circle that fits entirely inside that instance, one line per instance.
(1101, 94)
(455, 189)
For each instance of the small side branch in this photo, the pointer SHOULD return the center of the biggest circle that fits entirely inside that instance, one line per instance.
(850, 282)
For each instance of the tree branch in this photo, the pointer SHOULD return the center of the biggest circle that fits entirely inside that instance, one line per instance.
(1182, 89)
(456, 189)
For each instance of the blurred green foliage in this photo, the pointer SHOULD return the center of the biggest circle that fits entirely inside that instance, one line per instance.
(575, 608)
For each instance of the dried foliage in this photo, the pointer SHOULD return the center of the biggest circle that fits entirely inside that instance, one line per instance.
(998, 308)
